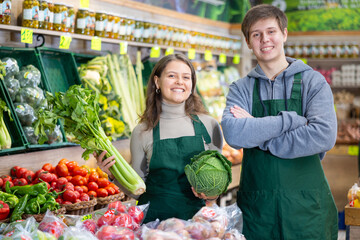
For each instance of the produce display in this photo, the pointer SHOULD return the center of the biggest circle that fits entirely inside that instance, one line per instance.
(5, 138)
(353, 196)
(28, 98)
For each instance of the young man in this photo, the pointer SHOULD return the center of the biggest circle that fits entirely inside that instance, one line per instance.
(282, 114)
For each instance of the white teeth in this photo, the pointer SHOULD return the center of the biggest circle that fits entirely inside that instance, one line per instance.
(266, 49)
(178, 90)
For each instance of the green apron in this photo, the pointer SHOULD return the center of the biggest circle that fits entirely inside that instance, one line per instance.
(167, 188)
(284, 198)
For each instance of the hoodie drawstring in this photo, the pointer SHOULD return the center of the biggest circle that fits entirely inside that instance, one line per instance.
(285, 97)
(261, 101)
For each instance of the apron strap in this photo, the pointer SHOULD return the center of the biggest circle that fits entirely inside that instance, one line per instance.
(200, 129)
(156, 132)
(296, 90)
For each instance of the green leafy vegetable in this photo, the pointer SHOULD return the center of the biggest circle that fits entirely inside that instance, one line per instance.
(209, 172)
(78, 108)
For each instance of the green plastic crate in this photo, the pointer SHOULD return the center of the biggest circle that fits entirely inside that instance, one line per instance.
(18, 140)
(26, 56)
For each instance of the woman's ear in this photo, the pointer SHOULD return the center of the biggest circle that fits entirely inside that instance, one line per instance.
(156, 80)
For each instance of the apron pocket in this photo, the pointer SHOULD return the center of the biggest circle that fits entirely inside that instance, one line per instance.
(258, 209)
(301, 214)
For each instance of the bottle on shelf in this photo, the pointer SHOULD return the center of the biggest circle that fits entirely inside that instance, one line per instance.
(109, 26)
(354, 50)
(70, 22)
(50, 25)
(100, 23)
(43, 14)
(30, 14)
(329, 50)
(138, 30)
(314, 50)
(60, 16)
(322, 50)
(6, 12)
(82, 16)
(338, 50)
(116, 26)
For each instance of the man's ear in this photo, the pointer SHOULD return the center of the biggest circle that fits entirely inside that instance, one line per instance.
(248, 43)
(285, 34)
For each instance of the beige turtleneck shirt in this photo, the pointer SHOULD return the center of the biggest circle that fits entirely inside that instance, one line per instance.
(173, 124)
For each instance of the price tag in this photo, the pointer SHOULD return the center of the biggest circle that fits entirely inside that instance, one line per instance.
(86, 217)
(27, 35)
(208, 55)
(353, 150)
(236, 59)
(123, 48)
(155, 52)
(169, 51)
(222, 58)
(96, 43)
(191, 53)
(84, 3)
(304, 60)
(65, 42)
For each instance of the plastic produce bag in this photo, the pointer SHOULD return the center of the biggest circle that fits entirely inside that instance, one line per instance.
(52, 224)
(29, 78)
(33, 96)
(55, 136)
(25, 113)
(29, 225)
(30, 135)
(13, 86)
(11, 66)
(72, 233)
(156, 234)
(113, 232)
(234, 234)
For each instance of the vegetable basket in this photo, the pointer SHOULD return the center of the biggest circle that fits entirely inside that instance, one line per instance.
(39, 217)
(80, 208)
(102, 202)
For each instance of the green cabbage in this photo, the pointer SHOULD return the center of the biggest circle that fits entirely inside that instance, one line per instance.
(209, 172)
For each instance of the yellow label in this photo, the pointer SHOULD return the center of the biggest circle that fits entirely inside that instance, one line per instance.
(65, 42)
(222, 58)
(27, 35)
(86, 217)
(155, 52)
(123, 48)
(191, 53)
(236, 59)
(169, 51)
(304, 60)
(335, 107)
(208, 55)
(353, 150)
(84, 3)
(96, 43)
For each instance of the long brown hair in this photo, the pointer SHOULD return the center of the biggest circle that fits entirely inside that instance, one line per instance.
(193, 105)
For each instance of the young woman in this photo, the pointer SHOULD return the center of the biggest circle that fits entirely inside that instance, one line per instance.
(282, 114)
(174, 127)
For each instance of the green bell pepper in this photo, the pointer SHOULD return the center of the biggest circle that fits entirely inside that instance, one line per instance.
(19, 209)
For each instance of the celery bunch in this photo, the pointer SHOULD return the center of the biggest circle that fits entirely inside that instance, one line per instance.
(5, 139)
(78, 108)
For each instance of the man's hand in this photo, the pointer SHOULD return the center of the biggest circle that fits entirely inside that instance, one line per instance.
(238, 112)
(209, 200)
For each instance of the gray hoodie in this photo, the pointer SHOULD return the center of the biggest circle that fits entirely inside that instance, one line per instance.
(286, 135)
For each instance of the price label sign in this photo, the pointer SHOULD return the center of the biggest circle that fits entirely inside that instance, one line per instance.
(65, 42)
(27, 35)
(123, 48)
(96, 43)
(86, 217)
(84, 3)
(236, 59)
(353, 150)
(222, 58)
(155, 52)
(191, 53)
(169, 51)
(208, 55)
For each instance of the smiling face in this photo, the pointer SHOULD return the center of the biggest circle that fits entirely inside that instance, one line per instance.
(175, 82)
(267, 41)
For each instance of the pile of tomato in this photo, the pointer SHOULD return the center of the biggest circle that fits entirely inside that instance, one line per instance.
(76, 183)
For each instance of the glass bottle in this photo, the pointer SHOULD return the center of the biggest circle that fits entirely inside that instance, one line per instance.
(90, 23)
(314, 50)
(138, 31)
(354, 50)
(345, 50)
(70, 22)
(305, 50)
(43, 9)
(147, 32)
(60, 15)
(122, 28)
(100, 21)
(116, 26)
(130, 27)
(109, 26)
(322, 50)
(81, 18)
(51, 15)
(329, 50)
(338, 50)
(30, 14)
(1, 13)
(6, 12)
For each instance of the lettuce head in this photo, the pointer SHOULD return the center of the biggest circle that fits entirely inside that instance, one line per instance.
(209, 172)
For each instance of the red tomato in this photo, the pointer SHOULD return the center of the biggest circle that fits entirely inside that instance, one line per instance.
(69, 186)
(123, 220)
(77, 194)
(93, 177)
(70, 196)
(101, 192)
(6, 178)
(62, 170)
(20, 182)
(85, 189)
(4, 184)
(47, 167)
(20, 172)
(46, 176)
(71, 165)
(64, 161)
(103, 182)
(1, 182)
(118, 206)
(13, 171)
(60, 201)
(110, 190)
(84, 197)
(60, 182)
(78, 189)
(29, 176)
(66, 202)
(68, 178)
(48, 185)
(80, 171)
(92, 186)
(54, 227)
(54, 185)
(112, 232)
(37, 173)
(77, 200)
(92, 193)
(136, 213)
(54, 177)
(106, 219)
(90, 225)
(77, 180)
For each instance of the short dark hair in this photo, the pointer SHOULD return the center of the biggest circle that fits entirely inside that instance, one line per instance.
(260, 12)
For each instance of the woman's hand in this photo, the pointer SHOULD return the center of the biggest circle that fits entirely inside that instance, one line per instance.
(238, 112)
(209, 200)
(104, 165)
